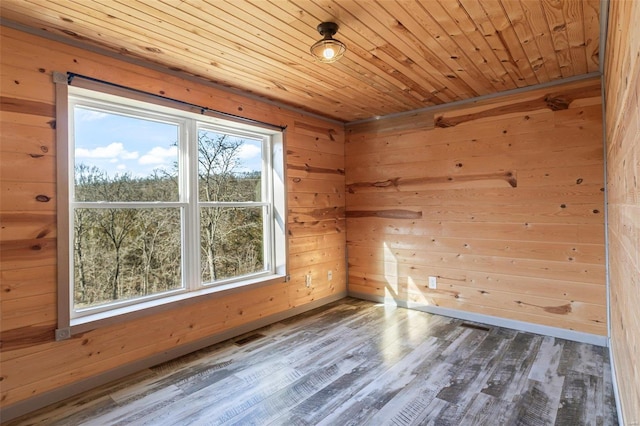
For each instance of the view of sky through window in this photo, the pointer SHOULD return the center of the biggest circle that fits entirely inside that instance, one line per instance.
(118, 144)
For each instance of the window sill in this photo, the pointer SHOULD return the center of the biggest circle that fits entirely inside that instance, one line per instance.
(132, 312)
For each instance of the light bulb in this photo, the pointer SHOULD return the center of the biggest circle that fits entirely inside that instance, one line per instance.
(328, 49)
(328, 53)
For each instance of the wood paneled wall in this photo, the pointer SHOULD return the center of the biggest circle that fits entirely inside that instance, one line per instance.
(32, 362)
(501, 200)
(622, 86)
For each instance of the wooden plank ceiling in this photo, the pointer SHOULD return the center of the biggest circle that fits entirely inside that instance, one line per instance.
(402, 55)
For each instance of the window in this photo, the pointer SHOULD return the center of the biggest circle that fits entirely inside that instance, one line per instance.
(165, 205)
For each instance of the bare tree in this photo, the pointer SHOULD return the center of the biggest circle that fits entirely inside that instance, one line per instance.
(131, 252)
(218, 157)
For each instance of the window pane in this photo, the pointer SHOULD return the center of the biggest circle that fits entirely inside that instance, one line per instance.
(231, 242)
(230, 168)
(125, 253)
(121, 158)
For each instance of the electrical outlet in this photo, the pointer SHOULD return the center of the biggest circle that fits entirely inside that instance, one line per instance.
(329, 275)
(433, 283)
(307, 280)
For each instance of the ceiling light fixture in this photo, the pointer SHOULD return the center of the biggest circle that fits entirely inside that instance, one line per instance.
(328, 49)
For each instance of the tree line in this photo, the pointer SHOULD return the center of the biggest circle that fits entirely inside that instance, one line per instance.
(123, 253)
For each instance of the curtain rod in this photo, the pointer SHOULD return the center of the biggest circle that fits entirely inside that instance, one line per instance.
(203, 109)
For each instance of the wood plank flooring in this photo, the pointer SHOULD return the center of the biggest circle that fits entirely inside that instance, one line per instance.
(355, 362)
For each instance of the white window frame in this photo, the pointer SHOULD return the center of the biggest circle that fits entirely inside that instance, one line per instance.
(266, 203)
(71, 321)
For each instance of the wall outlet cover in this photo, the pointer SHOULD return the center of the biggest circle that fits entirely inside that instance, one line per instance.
(433, 283)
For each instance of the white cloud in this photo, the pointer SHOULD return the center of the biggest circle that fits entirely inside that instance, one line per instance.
(248, 151)
(129, 155)
(89, 115)
(121, 167)
(159, 155)
(113, 150)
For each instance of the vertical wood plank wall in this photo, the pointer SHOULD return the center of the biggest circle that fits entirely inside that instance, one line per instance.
(32, 362)
(622, 88)
(502, 201)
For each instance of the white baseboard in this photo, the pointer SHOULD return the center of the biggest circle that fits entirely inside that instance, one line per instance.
(35, 403)
(545, 330)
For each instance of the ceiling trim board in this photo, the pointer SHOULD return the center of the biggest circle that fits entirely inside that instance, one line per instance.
(489, 96)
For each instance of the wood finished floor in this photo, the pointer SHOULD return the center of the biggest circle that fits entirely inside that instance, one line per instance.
(355, 362)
